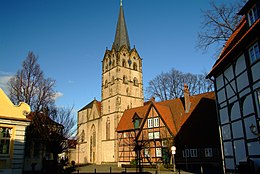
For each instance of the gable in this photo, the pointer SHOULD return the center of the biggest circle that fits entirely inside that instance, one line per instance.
(90, 111)
(9, 110)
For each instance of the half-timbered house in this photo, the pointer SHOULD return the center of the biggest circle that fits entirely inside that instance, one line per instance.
(148, 130)
(236, 75)
(147, 133)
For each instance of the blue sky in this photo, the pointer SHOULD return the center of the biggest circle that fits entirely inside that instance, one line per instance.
(70, 38)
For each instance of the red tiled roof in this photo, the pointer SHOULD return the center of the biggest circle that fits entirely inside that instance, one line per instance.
(171, 111)
(126, 122)
(166, 116)
(177, 107)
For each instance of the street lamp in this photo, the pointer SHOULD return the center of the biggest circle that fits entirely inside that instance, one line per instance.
(254, 130)
(173, 149)
(138, 145)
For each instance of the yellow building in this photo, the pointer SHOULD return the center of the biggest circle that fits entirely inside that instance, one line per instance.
(13, 123)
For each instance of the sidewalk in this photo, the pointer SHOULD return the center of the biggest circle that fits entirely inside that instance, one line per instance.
(113, 168)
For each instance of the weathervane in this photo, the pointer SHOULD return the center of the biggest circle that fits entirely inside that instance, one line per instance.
(121, 2)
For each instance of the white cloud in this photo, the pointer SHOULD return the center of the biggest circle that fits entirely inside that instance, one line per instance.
(70, 81)
(58, 95)
(4, 78)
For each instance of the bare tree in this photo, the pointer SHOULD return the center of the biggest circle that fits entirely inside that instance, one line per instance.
(50, 125)
(64, 116)
(170, 85)
(30, 86)
(218, 24)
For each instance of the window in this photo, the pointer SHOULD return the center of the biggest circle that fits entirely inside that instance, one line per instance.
(258, 98)
(150, 122)
(146, 152)
(124, 79)
(158, 152)
(156, 135)
(136, 123)
(124, 63)
(5, 139)
(113, 80)
(193, 153)
(108, 129)
(156, 122)
(135, 82)
(153, 135)
(135, 66)
(252, 15)
(94, 137)
(185, 153)
(129, 62)
(106, 84)
(254, 53)
(150, 135)
(208, 152)
(82, 136)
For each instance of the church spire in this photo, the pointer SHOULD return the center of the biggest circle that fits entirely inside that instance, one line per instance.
(121, 36)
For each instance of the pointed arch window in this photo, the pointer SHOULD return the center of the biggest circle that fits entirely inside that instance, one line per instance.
(108, 129)
(135, 81)
(135, 66)
(106, 84)
(124, 63)
(113, 63)
(82, 136)
(113, 80)
(125, 79)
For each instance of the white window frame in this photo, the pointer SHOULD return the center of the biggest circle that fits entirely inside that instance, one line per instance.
(150, 135)
(5, 138)
(156, 122)
(193, 153)
(158, 152)
(156, 135)
(185, 153)
(146, 152)
(208, 152)
(255, 49)
(252, 12)
(150, 122)
(258, 100)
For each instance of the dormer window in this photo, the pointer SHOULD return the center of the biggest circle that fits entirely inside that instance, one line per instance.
(252, 15)
(136, 121)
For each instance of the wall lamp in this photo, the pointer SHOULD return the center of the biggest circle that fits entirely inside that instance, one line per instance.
(254, 130)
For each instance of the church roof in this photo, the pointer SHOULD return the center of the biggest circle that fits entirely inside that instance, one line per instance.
(121, 36)
(90, 105)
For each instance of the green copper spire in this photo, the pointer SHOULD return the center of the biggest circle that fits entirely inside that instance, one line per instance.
(121, 36)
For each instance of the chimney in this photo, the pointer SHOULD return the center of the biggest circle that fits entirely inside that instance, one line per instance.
(186, 98)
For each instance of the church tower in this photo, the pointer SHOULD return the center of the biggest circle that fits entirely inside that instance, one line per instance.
(122, 87)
